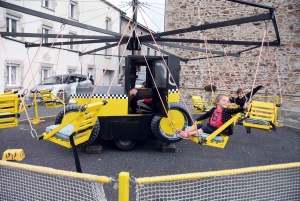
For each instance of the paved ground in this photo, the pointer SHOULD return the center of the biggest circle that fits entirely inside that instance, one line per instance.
(242, 150)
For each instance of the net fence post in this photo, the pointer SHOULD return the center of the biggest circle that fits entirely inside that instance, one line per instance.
(123, 189)
(36, 119)
(75, 153)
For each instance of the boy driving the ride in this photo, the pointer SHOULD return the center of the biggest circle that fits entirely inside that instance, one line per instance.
(138, 96)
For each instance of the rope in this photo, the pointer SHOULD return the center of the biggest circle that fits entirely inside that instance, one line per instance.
(261, 48)
(278, 78)
(32, 129)
(118, 66)
(62, 77)
(125, 31)
(240, 70)
(158, 49)
(273, 62)
(45, 56)
(171, 123)
(214, 63)
(228, 60)
(271, 76)
(23, 64)
(30, 65)
(209, 70)
(268, 41)
(14, 77)
(74, 68)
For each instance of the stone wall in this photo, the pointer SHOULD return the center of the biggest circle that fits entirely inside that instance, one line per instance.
(239, 72)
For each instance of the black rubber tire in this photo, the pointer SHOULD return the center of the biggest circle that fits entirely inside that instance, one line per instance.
(159, 134)
(125, 146)
(75, 108)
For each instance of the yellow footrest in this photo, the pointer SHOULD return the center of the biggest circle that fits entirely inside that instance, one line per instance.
(13, 155)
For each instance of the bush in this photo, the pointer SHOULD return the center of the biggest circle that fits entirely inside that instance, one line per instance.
(208, 88)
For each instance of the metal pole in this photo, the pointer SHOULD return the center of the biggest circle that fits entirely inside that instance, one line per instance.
(123, 194)
(134, 21)
(36, 119)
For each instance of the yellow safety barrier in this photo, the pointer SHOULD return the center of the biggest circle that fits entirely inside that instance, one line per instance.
(30, 182)
(13, 155)
(123, 190)
(278, 182)
(9, 110)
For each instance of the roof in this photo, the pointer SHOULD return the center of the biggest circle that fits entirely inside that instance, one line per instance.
(115, 7)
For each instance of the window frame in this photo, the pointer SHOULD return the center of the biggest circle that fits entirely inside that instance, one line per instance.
(71, 71)
(72, 5)
(42, 73)
(108, 23)
(9, 77)
(148, 51)
(9, 19)
(44, 4)
(90, 72)
(107, 51)
(49, 32)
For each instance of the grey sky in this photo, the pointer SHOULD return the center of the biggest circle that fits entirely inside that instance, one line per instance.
(154, 12)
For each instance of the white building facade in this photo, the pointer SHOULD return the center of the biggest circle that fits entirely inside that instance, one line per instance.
(26, 67)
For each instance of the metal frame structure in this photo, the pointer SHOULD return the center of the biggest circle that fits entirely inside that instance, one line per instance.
(147, 39)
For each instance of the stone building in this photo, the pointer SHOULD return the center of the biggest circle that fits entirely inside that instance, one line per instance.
(195, 74)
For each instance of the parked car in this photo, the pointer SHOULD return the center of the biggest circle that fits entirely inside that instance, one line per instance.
(140, 80)
(60, 84)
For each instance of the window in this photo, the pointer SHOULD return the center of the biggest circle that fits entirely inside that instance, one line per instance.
(107, 23)
(11, 24)
(46, 30)
(72, 9)
(107, 50)
(148, 51)
(45, 73)
(46, 3)
(12, 75)
(90, 72)
(70, 71)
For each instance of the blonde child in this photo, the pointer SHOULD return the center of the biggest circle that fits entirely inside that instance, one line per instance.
(217, 117)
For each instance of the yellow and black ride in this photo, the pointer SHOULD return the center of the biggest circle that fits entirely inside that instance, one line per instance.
(115, 121)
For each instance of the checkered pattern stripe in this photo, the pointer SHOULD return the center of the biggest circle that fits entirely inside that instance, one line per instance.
(109, 96)
(173, 91)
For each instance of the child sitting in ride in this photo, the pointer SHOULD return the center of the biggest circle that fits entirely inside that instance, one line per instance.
(242, 97)
(138, 96)
(218, 116)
